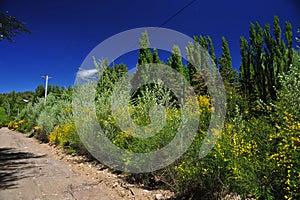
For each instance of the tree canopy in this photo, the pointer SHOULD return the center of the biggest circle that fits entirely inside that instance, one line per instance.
(10, 27)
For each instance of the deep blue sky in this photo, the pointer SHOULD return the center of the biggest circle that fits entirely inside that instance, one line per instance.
(65, 31)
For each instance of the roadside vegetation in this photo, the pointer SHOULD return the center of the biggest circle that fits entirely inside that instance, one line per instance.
(257, 154)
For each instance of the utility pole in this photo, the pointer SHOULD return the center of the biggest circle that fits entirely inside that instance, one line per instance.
(46, 86)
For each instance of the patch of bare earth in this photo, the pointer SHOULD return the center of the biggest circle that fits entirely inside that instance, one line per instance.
(30, 170)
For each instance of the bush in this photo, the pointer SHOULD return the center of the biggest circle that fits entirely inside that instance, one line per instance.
(10, 125)
(188, 173)
(13, 125)
(66, 136)
(50, 116)
(257, 154)
(4, 118)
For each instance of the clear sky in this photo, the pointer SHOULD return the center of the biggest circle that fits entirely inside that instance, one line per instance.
(65, 31)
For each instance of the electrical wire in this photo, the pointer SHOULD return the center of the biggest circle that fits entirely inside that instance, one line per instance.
(177, 13)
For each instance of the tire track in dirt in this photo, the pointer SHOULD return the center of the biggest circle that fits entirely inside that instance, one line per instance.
(28, 170)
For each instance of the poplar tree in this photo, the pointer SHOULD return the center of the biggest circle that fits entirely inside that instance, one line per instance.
(176, 62)
(289, 39)
(263, 58)
(225, 63)
(196, 57)
(145, 56)
(270, 54)
(212, 50)
(155, 57)
(256, 50)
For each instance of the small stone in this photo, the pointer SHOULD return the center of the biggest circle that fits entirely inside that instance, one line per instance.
(159, 197)
(123, 193)
(115, 185)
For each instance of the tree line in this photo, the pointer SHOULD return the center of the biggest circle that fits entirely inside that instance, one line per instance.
(11, 104)
(257, 152)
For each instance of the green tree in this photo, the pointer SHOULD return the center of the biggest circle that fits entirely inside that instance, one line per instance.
(145, 56)
(270, 57)
(109, 77)
(228, 74)
(176, 62)
(264, 58)
(40, 90)
(56, 90)
(177, 65)
(10, 27)
(144, 59)
(197, 57)
(256, 49)
(212, 50)
(7, 107)
(298, 39)
(289, 39)
(155, 57)
(246, 72)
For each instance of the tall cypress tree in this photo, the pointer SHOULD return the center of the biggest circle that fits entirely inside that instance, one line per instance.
(155, 57)
(203, 42)
(145, 56)
(280, 48)
(269, 55)
(256, 50)
(144, 59)
(176, 62)
(225, 62)
(264, 58)
(211, 50)
(289, 38)
(195, 57)
(246, 70)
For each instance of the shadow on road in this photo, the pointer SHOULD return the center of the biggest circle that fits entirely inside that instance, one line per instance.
(14, 165)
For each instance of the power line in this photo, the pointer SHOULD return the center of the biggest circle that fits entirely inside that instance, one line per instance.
(177, 13)
(168, 19)
(171, 17)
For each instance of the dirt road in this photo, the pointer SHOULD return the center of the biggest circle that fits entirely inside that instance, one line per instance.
(30, 170)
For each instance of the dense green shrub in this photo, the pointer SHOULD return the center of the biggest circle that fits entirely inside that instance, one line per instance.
(66, 136)
(257, 153)
(4, 118)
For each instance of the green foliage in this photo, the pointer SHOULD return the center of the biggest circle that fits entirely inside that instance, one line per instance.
(4, 118)
(228, 74)
(39, 91)
(176, 62)
(145, 56)
(65, 134)
(13, 103)
(155, 57)
(198, 61)
(263, 58)
(289, 94)
(50, 115)
(10, 27)
(257, 154)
